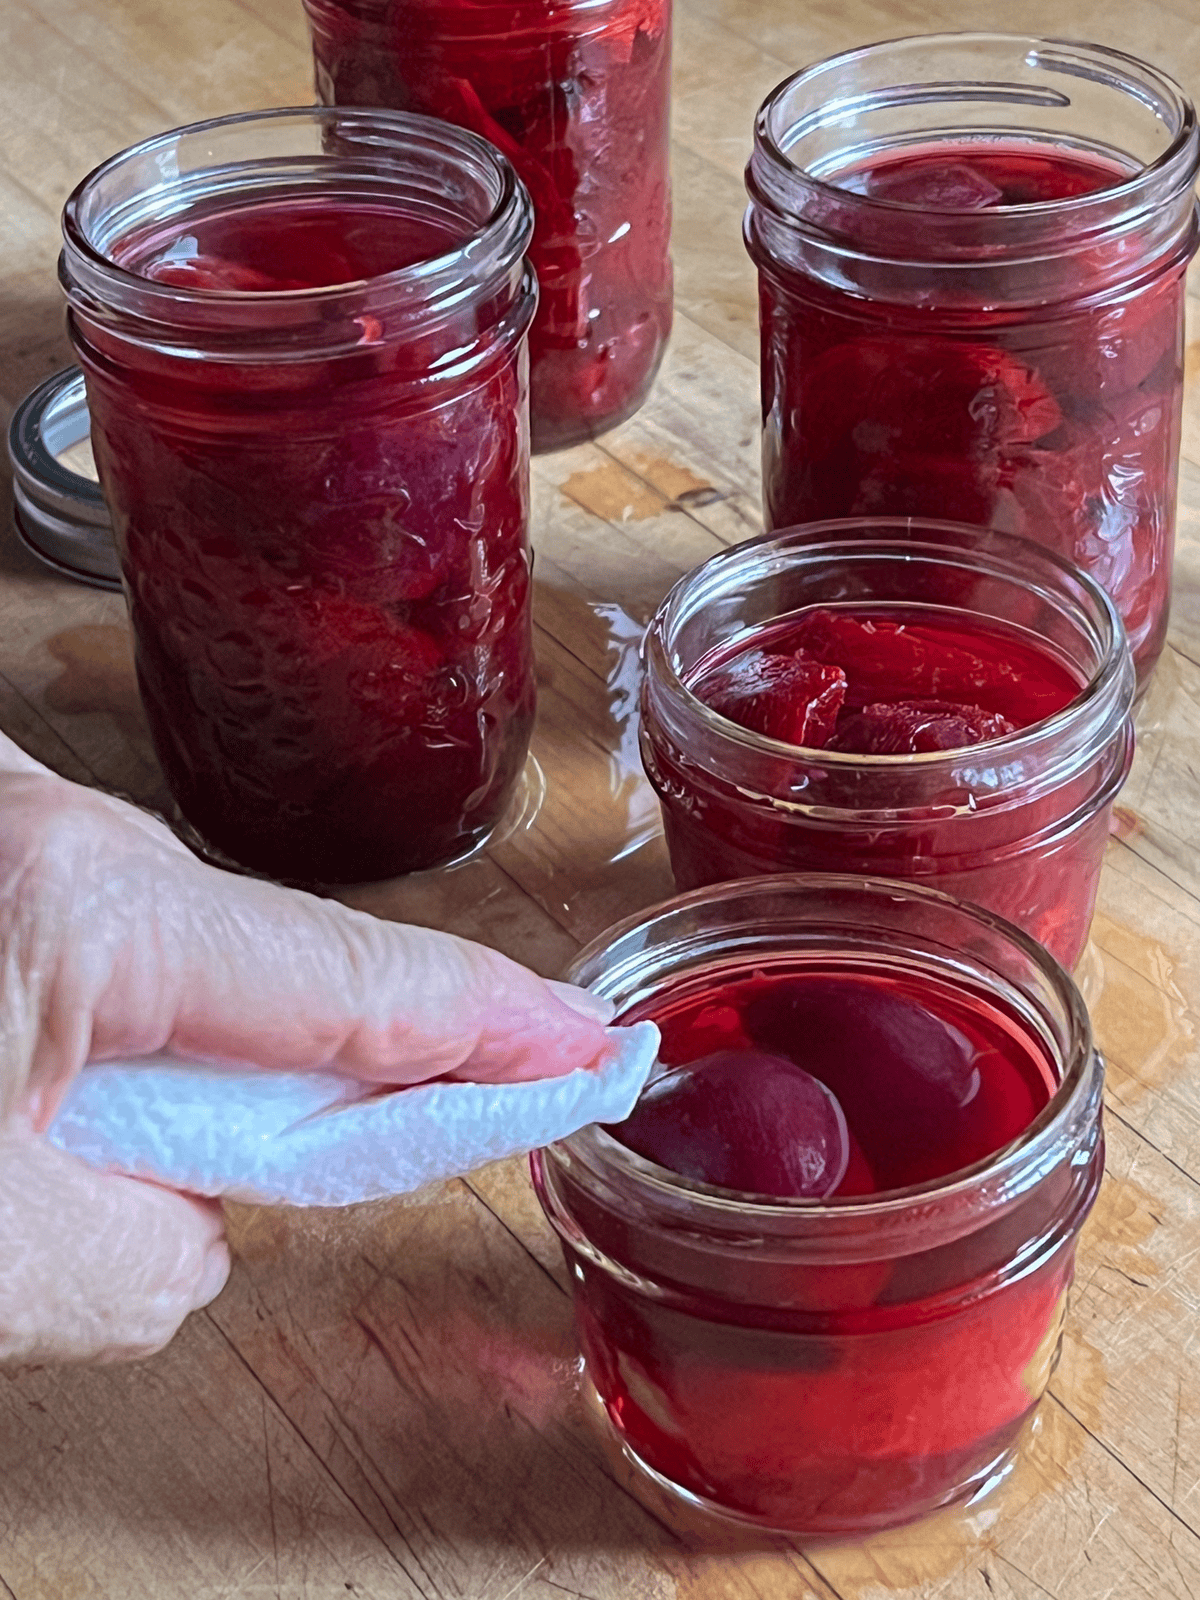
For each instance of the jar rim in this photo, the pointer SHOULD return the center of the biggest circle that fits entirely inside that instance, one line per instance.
(77, 238)
(1118, 205)
(1022, 1155)
(380, 153)
(905, 542)
(497, 16)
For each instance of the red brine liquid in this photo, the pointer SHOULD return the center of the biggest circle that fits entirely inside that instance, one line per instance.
(328, 578)
(928, 1079)
(830, 1395)
(576, 96)
(1058, 421)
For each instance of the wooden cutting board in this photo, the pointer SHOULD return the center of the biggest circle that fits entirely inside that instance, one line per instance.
(387, 1402)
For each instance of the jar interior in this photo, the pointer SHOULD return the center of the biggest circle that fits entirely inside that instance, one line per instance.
(442, 177)
(712, 938)
(759, 586)
(909, 93)
(921, 1078)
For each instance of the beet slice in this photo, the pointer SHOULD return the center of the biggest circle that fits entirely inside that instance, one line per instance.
(912, 727)
(903, 1074)
(745, 1120)
(788, 697)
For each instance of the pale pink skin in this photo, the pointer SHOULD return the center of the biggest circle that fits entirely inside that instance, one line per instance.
(115, 941)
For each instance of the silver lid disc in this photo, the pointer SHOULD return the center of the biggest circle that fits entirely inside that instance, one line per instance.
(59, 513)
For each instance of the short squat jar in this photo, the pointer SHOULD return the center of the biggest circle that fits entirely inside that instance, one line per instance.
(303, 335)
(576, 95)
(971, 253)
(1017, 822)
(830, 1367)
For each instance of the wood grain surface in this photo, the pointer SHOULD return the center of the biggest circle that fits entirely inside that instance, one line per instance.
(386, 1402)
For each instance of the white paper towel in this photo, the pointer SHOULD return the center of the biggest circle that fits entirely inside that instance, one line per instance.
(313, 1139)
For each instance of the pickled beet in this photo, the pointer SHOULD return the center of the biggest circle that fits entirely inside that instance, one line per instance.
(1056, 420)
(910, 653)
(792, 698)
(909, 727)
(865, 681)
(924, 1082)
(744, 1120)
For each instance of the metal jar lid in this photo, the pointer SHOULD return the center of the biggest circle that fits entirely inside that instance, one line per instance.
(58, 512)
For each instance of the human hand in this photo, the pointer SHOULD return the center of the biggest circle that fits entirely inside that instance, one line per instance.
(118, 942)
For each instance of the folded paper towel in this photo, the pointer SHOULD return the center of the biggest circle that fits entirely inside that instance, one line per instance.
(314, 1139)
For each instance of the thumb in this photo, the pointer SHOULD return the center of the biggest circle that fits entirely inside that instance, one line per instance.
(14, 759)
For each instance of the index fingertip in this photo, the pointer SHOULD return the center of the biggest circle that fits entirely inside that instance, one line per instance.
(587, 1004)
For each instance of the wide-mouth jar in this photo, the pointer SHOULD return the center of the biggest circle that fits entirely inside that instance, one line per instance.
(1017, 824)
(971, 252)
(303, 335)
(577, 96)
(829, 1367)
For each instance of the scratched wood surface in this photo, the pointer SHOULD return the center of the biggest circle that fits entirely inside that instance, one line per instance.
(386, 1402)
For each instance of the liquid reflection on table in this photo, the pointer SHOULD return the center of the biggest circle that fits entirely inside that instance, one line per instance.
(388, 1402)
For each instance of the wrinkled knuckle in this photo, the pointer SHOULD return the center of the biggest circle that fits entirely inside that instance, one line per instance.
(45, 825)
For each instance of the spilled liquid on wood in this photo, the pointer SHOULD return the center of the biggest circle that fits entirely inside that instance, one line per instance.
(646, 488)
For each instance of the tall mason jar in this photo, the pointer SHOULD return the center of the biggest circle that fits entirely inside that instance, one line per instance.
(304, 340)
(971, 253)
(831, 1367)
(576, 94)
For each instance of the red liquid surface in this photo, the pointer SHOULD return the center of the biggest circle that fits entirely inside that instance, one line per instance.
(974, 177)
(579, 106)
(328, 582)
(274, 247)
(1059, 423)
(885, 683)
(889, 681)
(929, 1080)
(837, 1396)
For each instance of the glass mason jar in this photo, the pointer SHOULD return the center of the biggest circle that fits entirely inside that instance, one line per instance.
(576, 94)
(971, 253)
(1018, 824)
(318, 483)
(829, 1367)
